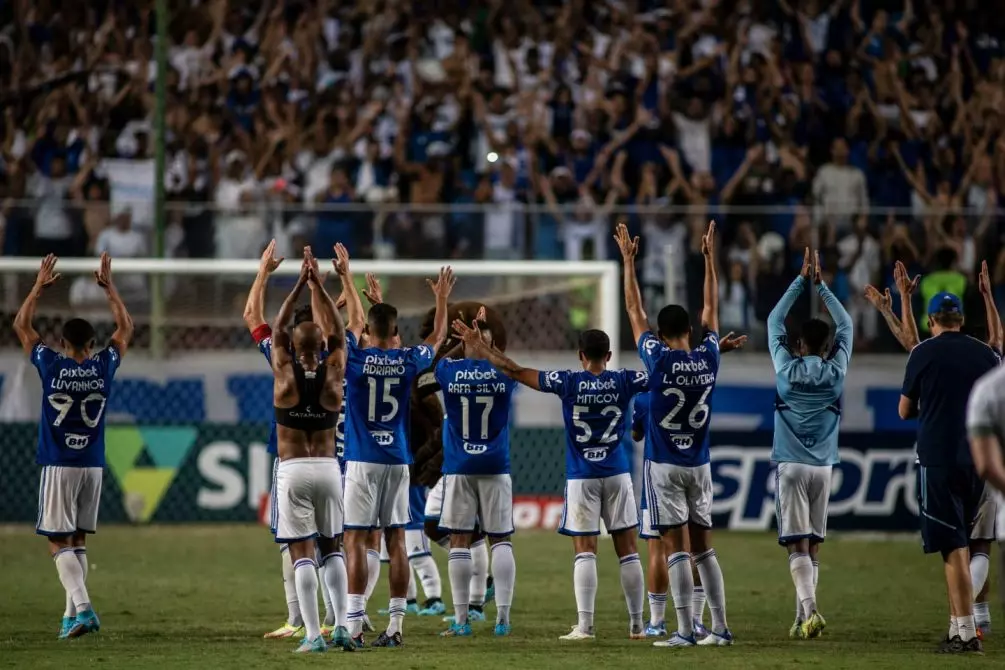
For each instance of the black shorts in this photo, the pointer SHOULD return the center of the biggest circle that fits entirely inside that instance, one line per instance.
(948, 500)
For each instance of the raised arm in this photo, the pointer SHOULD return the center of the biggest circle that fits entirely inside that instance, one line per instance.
(710, 303)
(23, 327)
(254, 308)
(633, 296)
(471, 337)
(990, 309)
(353, 305)
(281, 355)
(123, 334)
(777, 336)
(906, 287)
(883, 302)
(326, 312)
(844, 331)
(441, 289)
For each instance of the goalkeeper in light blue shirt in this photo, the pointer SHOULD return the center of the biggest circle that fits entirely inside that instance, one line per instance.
(810, 380)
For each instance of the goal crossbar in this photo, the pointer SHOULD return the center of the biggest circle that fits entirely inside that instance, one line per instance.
(605, 271)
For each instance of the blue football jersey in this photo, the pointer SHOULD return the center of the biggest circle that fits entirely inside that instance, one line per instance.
(71, 431)
(680, 386)
(477, 399)
(378, 386)
(594, 409)
(640, 414)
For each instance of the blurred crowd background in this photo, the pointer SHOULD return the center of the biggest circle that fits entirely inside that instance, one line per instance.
(871, 130)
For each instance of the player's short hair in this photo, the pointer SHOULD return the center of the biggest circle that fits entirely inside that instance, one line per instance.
(78, 333)
(382, 321)
(947, 319)
(673, 321)
(814, 336)
(302, 313)
(594, 344)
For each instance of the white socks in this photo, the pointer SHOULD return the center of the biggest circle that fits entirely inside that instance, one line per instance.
(801, 569)
(372, 573)
(306, 577)
(396, 610)
(657, 608)
(72, 572)
(357, 610)
(584, 581)
(698, 601)
(979, 567)
(682, 590)
(633, 583)
(982, 615)
(81, 554)
(504, 571)
(715, 589)
(293, 617)
(429, 576)
(459, 569)
(336, 584)
(479, 572)
(968, 630)
(71, 576)
(329, 619)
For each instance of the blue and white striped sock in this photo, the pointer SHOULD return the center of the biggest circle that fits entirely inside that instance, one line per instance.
(682, 590)
(396, 610)
(357, 610)
(459, 568)
(305, 574)
(657, 608)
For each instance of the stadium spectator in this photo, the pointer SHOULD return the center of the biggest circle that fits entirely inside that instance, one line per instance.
(790, 119)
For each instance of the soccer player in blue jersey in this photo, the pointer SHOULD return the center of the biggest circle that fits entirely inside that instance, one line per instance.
(71, 434)
(598, 486)
(477, 487)
(810, 378)
(378, 385)
(656, 576)
(261, 332)
(678, 477)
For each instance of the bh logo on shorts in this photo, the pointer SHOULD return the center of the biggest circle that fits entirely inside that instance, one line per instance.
(474, 449)
(75, 441)
(595, 455)
(682, 442)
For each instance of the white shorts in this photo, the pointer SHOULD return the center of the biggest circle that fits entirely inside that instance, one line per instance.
(483, 500)
(676, 495)
(416, 544)
(801, 496)
(434, 501)
(985, 525)
(273, 507)
(376, 496)
(68, 500)
(308, 499)
(588, 501)
(646, 530)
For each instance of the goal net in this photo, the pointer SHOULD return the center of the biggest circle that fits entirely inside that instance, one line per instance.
(192, 403)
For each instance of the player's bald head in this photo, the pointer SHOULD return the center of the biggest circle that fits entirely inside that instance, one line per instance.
(307, 337)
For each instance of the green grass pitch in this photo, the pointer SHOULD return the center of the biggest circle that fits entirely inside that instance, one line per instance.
(201, 597)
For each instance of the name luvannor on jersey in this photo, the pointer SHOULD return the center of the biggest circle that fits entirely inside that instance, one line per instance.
(78, 380)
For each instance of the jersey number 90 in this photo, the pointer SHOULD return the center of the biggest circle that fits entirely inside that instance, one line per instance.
(63, 403)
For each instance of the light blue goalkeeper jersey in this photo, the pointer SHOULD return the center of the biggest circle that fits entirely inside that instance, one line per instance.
(809, 388)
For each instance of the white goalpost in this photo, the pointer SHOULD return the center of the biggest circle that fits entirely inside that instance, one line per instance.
(498, 281)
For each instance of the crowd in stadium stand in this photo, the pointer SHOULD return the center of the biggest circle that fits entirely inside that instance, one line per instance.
(790, 121)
